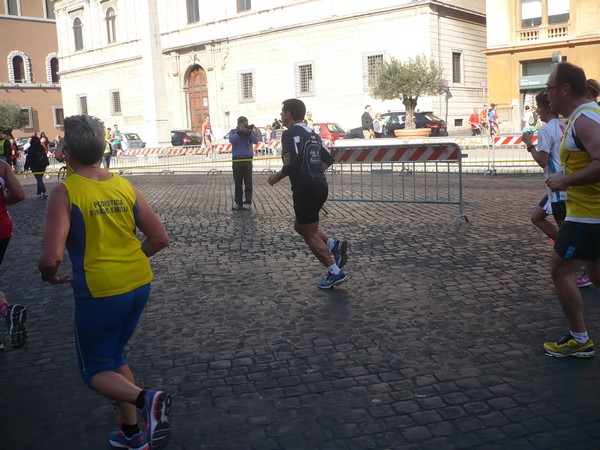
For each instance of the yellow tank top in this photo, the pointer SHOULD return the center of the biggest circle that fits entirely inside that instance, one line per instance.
(105, 252)
(583, 202)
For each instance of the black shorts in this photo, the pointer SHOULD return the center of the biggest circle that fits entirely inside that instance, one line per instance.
(3, 246)
(559, 209)
(308, 201)
(577, 240)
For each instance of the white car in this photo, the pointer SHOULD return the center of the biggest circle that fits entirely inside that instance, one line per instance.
(132, 140)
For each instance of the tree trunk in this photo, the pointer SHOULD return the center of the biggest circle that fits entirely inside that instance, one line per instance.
(410, 105)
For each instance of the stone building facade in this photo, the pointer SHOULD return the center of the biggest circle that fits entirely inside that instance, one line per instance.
(29, 70)
(525, 37)
(154, 65)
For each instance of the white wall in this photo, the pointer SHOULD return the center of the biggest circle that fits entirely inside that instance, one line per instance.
(333, 35)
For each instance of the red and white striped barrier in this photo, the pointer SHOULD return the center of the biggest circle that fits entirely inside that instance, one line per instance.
(396, 153)
(512, 140)
(219, 148)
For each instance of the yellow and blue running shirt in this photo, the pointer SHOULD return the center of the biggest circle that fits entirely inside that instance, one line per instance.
(105, 253)
(583, 202)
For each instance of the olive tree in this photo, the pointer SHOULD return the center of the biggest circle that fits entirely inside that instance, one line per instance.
(11, 117)
(407, 81)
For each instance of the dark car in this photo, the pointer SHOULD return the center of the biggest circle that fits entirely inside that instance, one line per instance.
(394, 120)
(185, 137)
(330, 131)
(354, 133)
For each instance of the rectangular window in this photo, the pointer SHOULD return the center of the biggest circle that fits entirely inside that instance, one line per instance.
(305, 84)
(371, 65)
(531, 13)
(82, 105)
(28, 114)
(243, 5)
(115, 102)
(13, 7)
(246, 87)
(456, 67)
(558, 11)
(50, 9)
(59, 117)
(193, 11)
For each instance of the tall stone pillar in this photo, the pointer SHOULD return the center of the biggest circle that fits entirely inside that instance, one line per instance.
(157, 128)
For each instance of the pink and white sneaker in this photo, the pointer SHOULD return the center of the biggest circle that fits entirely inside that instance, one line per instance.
(584, 281)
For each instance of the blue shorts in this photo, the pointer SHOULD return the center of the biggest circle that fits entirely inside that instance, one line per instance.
(103, 326)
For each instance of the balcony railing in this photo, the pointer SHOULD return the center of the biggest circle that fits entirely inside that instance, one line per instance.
(547, 33)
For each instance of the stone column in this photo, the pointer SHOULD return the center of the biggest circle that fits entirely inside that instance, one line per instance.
(157, 128)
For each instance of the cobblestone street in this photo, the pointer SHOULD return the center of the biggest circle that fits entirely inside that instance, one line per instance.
(435, 342)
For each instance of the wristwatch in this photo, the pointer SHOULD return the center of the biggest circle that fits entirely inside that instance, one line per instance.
(530, 147)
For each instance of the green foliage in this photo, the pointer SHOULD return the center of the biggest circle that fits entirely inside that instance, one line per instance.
(11, 117)
(407, 81)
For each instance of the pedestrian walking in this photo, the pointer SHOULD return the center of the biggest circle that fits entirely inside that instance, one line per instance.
(475, 123)
(367, 123)
(378, 125)
(37, 161)
(15, 315)
(242, 139)
(305, 159)
(95, 214)
(107, 148)
(578, 240)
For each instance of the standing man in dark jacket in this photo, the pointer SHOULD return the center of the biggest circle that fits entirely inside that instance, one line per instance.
(242, 139)
(305, 160)
(367, 123)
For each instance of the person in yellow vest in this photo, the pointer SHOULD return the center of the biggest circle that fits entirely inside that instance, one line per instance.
(578, 240)
(5, 147)
(107, 149)
(95, 213)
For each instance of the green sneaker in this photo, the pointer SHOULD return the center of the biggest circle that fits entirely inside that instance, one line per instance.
(568, 346)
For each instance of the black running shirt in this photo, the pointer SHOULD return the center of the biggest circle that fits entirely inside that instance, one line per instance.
(302, 154)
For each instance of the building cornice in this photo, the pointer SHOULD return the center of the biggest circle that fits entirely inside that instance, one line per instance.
(541, 46)
(434, 6)
(29, 86)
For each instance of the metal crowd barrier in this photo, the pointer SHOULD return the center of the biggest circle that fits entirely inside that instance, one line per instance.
(397, 172)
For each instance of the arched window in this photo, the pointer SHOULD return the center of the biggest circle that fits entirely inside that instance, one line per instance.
(52, 76)
(111, 28)
(54, 70)
(78, 34)
(19, 69)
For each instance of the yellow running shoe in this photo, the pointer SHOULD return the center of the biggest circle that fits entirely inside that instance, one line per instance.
(568, 346)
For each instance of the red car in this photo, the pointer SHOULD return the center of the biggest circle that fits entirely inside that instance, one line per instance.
(330, 131)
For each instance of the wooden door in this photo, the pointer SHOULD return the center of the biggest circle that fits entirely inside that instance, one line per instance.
(198, 95)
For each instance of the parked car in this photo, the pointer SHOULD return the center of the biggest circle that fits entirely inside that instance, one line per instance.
(354, 133)
(329, 130)
(132, 140)
(21, 141)
(185, 137)
(394, 120)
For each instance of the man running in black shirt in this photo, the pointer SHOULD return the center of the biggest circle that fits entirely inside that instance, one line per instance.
(305, 160)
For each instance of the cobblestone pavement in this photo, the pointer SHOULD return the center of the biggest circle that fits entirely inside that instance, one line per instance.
(434, 343)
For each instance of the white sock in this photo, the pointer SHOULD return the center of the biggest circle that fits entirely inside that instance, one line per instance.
(334, 269)
(330, 243)
(582, 338)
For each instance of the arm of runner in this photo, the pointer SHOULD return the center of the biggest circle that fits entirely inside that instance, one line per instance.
(150, 224)
(15, 190)
(56, 229)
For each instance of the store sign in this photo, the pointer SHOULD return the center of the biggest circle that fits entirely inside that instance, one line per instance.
(533, 82)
